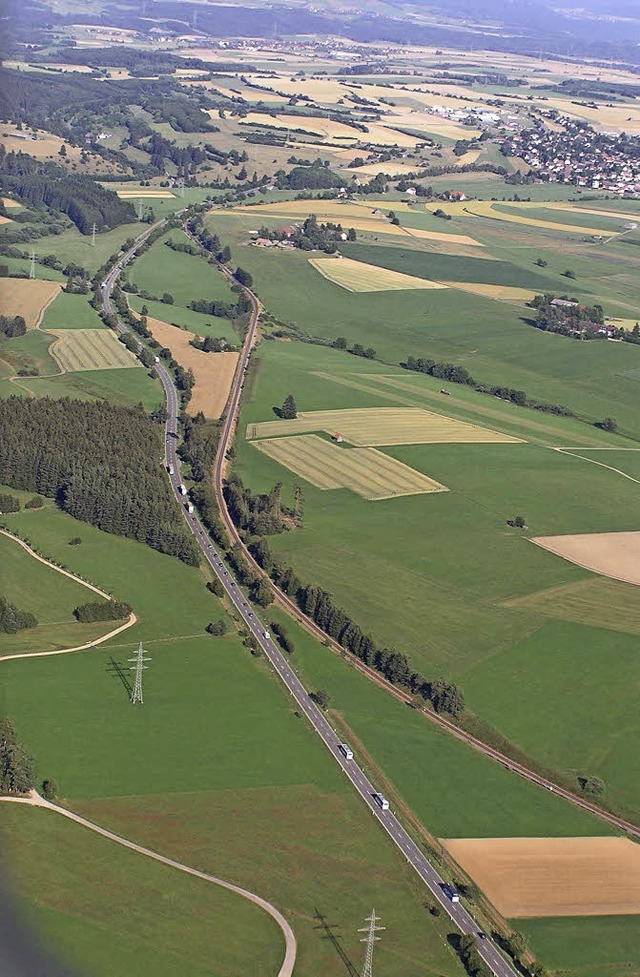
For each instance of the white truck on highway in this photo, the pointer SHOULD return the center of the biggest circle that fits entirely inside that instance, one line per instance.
(170, 469)
(182, 489)
(381, 801)
(346, 751)
(189, 506)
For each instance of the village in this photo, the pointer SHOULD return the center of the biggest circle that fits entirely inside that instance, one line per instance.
(569, 151)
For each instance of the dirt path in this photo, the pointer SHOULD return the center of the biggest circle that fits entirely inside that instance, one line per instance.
(286, 968)
(66, 573)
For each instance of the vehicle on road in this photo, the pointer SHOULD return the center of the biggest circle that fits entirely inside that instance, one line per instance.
(346, 751)
(170, 469)
(189, 506)
(482, 935)
(450, 892)
(266, 634)
(381, 801)
(182, 489)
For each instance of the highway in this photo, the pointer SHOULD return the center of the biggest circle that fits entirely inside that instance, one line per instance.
(459, 915)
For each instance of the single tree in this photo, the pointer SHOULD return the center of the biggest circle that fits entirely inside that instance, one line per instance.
(321, 698)
(519, 522)
(217, 628)
(216, 587)
(289, 410)
(261, 594)
(49, 790)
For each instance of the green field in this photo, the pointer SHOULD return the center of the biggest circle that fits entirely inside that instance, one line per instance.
(151, 916)
(184, 276)
(120, 386)
(50, 596)
(224, 776)
(196, 322)
(473, 627)
(71, 312)
(595, 946)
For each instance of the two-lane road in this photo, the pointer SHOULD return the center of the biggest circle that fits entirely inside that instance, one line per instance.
(460, 916)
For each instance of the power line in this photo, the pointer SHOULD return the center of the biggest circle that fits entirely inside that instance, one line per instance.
(139, 659)
(370, 939)
(32, 264)
(93, 235)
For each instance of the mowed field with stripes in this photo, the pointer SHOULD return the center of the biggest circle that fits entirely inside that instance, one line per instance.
(370, 473)
(90, 349)
(372, 426)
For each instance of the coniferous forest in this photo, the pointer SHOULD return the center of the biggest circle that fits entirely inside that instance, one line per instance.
(101, 463)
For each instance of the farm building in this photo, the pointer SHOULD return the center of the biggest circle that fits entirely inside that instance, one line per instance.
(337, 437)
(286, 231)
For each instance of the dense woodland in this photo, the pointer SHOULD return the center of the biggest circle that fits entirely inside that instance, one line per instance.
(101, 463)
(83, 200)
(11, 326)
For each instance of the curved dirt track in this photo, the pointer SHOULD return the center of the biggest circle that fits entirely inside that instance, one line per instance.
(131, 620)
(286, 968)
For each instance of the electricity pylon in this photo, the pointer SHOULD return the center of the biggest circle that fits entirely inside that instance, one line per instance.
(32, 266)
(370, 939)
(139, 659)
(140, 210)
(93, 235)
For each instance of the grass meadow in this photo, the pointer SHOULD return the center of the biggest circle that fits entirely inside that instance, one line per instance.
(71, 312)
(224, 776)
(185, 276)
(50, 596)
(592, 946)
(407, 568)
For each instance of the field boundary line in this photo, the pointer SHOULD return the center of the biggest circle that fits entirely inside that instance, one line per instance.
(286, 969)
(44, 309)
(600, 464)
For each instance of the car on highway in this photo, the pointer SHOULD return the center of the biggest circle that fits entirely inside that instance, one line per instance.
(266, 634)
(482, 935)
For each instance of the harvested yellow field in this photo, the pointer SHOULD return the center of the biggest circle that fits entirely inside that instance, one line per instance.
(365, 471)
(356, 276)
(624, 117)
(8, 202)
(370, 426)
(486, 208)
(328, 129)
(27, 297)
(617, 214)
(615, 555)
(467, 158)
(391, 166)
(76, 350)
(503, 293)
(213, 372)
(153, 194)
(45, 144)
(5, 220)
(526, 877)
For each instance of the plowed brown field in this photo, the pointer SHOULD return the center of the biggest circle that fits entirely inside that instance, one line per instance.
(614, 555)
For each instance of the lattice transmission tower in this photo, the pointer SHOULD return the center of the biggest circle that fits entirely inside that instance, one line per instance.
(139, 658)
(32, 265)
(370, 939)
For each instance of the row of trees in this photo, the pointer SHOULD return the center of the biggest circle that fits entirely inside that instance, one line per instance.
(458, 374)
(12, 619)
(319, 605)
(100, 462)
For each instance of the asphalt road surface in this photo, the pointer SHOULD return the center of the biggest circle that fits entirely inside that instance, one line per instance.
(463, 920)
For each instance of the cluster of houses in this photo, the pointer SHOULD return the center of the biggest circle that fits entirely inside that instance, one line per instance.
(577, 154)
